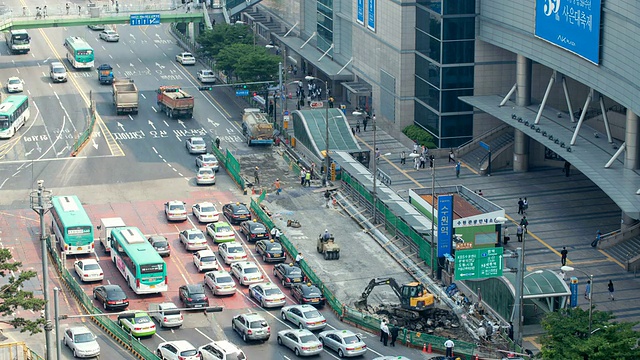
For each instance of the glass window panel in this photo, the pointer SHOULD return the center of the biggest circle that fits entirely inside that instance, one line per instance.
(428, 71)
(458, 52)
(427, 93)
(428, 45)
(456, 125)
(459, 28)
(427, 119)
(459, 7)
(457, 77)
(428, 22)
(451, 103)
(435, 5)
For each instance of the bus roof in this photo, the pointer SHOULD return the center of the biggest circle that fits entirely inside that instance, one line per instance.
(136, 245)
(11, 103)
(70, 210)
(77, 43)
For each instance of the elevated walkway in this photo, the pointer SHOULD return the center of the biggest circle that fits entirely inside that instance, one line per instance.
(235, 7)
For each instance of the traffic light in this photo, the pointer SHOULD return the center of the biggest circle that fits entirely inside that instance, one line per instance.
(204, 88)
(254, 93)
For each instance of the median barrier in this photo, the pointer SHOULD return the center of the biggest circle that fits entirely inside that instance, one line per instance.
(230, 164)
(84, 136)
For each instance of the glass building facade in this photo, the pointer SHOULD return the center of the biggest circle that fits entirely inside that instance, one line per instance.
(445, 47)
(324, 25)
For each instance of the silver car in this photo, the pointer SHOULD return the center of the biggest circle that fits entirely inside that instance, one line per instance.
(304, 317)
(196, 145)
(207, 160)
(220, 282)
(193, 239)
(301, 341)
(231, 252)
(109, 36)
(81, 341)
(205, 176)
(267, 294)
(175, 210)
(344, 342)
(251, 326)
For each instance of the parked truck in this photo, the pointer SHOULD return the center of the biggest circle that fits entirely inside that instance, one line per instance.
(105, 74)
(256, 127)
(175, 102)
(125, 96)
(105, 227)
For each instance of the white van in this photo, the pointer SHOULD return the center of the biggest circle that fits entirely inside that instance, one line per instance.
(167, 314)
(57, 72)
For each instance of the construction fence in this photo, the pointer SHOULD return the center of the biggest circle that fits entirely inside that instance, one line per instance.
(84, 136)
(17, 351)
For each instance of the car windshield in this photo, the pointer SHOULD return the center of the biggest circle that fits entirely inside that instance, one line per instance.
(351, 339)
(209, 159)
(197, 141)
(234, 249)
(196, 236)
(224, 279)
(160, 243)
(208, 259)
(59, 70)
(208, 209)
(116, 295)
(311, 314)
(251, 270)
(307, 339)
(205, 171)
(14, 81)
(190, 352)
(84, 338)
(141, 320)
(258, 324)
(273, 292)
(176, 207)
(223, 229)
(295, 271)
(92, 267)
(240, 210)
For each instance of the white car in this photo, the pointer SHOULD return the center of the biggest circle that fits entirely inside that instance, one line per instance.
(186, 58)
(344, 342)
(82, 342)
(304, 317)
(166, 314)
(231, 252)
(205, 212)
(247, 272)
(15, 84)
(206, 76)
(109, 36)
(220, 282)
(267, 294)
(205, 260)
(177, 350)
(193, 239)
(196, 145)
(88, 270)
(221, 350)
(205, 176)
(175, 210)
(301, 341)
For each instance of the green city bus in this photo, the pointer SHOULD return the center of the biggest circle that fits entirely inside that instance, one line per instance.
(79, 52)
(137, 261)
(14, 113)
(71, 225)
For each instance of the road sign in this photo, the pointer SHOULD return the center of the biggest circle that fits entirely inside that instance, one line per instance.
(144, 19)
(242, 92)
(316, 104)
(478, 263)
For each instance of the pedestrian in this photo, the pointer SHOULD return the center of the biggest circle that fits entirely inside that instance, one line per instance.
(423, 161)
(587, 290)
(24, 10)
(327, 197)
(431, 160)
(519, 232)
(365, 122)
(458, 169)
(610, 286)
(353, 131)
(416, 163)
(567, 168)
(256, 176)
(482, 333)
(79, 9)
(189, 7)
(563, 256)
(449, 347)
(307, 179)
(299, 258)
(480, 193)
(217, 142)
(357, 125)
(331, 102)
(303, 174)
(384, 328)
(524, 223)
(275, 233)
(525, 206)
(403, 158)
(520, 207)
(38, 13)
(382, 324)
(278, 186)
(44, 11)
(489, 330)
(295, 70)
(213, 22)
(510, 330)
(506, 234)
(117, 8)
(68, 7)
(415, 146)
(394, 330)
(452, 157)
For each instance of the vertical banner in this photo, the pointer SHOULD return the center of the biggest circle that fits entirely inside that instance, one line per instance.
(445, 224)
(371, 15)
(573, 286)
(571, 25)
(360, 12)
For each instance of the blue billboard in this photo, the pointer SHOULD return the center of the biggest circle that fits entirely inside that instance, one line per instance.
(371, 15)
(445, 224)
(573, 25)
(360, 13)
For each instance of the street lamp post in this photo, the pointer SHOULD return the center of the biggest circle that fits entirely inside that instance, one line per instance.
(325, 180)
(570, 268)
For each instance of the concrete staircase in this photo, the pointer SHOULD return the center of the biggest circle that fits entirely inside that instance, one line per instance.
(474, 157)
(625, 250)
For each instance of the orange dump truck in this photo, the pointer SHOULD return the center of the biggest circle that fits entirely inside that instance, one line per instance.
(175, 102)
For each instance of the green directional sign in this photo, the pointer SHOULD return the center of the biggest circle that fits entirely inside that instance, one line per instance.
(478, 263)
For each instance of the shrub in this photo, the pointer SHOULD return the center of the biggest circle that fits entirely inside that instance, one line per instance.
(422, 136)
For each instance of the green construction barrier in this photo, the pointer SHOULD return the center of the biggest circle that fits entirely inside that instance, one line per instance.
(84, 136)
(230, 164)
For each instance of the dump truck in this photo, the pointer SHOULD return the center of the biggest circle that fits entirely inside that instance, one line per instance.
(105, 227)
(105, 74)
(328, 248)
(256, 127)
(175, 102)
(125, 96)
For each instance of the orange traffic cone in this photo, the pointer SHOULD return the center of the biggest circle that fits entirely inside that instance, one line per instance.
(424, 347)
(477, 357)
(429, 349)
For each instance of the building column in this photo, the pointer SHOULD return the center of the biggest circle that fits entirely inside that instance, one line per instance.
(631, 140)
(627, 221)
(523, 98)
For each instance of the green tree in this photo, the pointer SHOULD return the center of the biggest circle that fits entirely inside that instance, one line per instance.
(224, 35)
(567, 336)
(257, 66)
(13, 298)
(228, 57)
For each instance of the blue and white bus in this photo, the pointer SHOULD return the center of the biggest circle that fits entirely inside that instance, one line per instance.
(14, 113)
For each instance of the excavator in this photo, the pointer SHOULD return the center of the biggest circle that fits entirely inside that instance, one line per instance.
(415, 300)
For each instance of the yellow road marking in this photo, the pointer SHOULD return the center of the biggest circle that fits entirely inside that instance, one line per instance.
(19, 217)
(588, 262)
(529, 233)
(612, 259)
(534, 341)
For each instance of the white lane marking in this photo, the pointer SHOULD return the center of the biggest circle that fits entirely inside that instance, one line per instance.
(160, 337)
(203, 334)
(144, 97)
(154, 109)
(154, 149)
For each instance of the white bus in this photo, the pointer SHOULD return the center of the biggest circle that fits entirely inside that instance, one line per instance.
(14, 113)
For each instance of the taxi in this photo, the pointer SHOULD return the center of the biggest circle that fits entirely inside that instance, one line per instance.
(139, 325)
(221, 232)
(271, 251)
(247, 272)
(268, 294)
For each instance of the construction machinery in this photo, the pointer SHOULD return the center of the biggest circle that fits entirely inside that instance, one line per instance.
(328, 248)
(415, 300)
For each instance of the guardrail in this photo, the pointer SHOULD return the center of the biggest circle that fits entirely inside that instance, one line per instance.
(84, 136)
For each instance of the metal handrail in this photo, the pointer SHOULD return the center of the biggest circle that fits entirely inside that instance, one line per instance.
(483, 135)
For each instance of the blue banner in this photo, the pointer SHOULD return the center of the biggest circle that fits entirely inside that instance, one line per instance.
(360, 14)
(573, 286)
(371, 15)
(445, 224)
(572, 25)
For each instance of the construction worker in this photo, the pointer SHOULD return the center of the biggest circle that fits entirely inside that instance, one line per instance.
(307, 179)
(299, 258)
(326, 236)
(275, 233)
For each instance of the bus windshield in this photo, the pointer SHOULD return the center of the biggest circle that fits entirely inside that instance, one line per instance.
(4, 123)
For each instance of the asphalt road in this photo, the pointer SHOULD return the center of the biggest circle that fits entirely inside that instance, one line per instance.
(134, 173)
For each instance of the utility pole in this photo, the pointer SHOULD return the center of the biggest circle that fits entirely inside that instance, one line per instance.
(518, 304)
(275, 93)
(57, 320)
(433, 220)
(375, 168)
(41, 203)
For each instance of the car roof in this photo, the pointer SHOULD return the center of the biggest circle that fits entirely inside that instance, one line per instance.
(246, 264)
(301, 307)
(112, 287)
(80, 329)
(226, 345)
(195, 287)
(298, 331)
(175, 202)
(218, 273)
(220, 224)
(206, 253)
(14, 78)
(267, 285)
(205, 169)
(193, 231)
(155, 238)
(206, 203)
(89, 261)
(253, 316)
(180, 344)
(232, 244)
(196, 138)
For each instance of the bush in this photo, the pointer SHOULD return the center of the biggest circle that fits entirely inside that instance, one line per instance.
(422, 136)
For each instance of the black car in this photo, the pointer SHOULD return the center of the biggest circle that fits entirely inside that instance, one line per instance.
(271, 251)
(111, 297)
(254, 230)
(307, 294)
(161, 245)
(193, 295)
(288, 274)
(236, 212)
